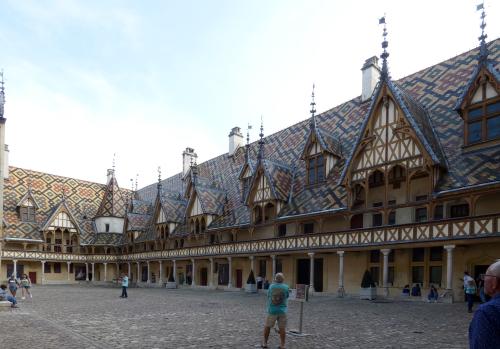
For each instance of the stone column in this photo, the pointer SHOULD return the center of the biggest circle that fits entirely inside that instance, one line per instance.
(129, 271)
(42, 280)
(273, 266)
(311, 278)
(117, 270)
(15, 268)
(93, 272)
(341, 291)
(68, 264)
(138, 272)
(149, 274)
(449, 270)
(385, 273)
(174, 271)
(105, 271)
(193, 272)
(252, 259)
(230, 281)
(160, 278)
(211, 276)
(86, 272)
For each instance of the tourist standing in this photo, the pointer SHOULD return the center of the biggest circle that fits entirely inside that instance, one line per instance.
(13, 284)
(484, 329)
(5, 297)
(277, 304)
(26, 285)
(124, 286)
(470, 292)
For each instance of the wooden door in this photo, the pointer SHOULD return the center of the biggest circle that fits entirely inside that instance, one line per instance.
(204, 276)
(239, 278)
(32, 276)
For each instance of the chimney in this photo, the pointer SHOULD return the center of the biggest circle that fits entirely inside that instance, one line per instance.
(371, 75)
(110, 175)
(188, 156)
(235, 140)
(6, 162)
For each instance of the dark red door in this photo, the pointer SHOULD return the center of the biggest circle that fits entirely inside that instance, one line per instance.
(239, 278)
(32, 276)
(204, 276)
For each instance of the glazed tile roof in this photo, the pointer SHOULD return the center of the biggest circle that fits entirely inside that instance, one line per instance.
(113, 203)
(107, 239)
(173, 206)
(82, 199)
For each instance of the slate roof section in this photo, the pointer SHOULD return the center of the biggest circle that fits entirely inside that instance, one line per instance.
(174, 207)
(326, 141)
(108, 239)
(138, 222)
(490, 67)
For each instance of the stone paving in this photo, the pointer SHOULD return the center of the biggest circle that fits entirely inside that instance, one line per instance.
(95, 317)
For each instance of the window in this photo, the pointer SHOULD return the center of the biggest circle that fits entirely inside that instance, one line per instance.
(417, 275)
(374, 256)
(46, 268)
(435, 275)
(391, 202)
(459, 211)
(57, 268)
(262, 268)
(282, 230)
(257, 214)
(421, 197)
(377, 220)
(482, 117)
(308, 228)
(316, 169)
(279, 265)
(107, 227)
(420, 214)
(376, 179)
(436, 254)
(438, 212)
(377, 204)
(418, 254)
(71, 268)
(375, 271)
(396, 176)
(392, 218)
(27, 214)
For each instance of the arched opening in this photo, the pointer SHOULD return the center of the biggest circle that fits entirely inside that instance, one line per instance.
(269, 211)
(197, 226)
(257, 214)
(357, 221)
(358, 196)
(376, 179)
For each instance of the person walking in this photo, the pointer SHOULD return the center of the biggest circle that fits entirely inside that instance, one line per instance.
(5, 297)
(484, 329)
(25, 286)
(470, 291)
(13, 284)
(277, 305)
(124, 286)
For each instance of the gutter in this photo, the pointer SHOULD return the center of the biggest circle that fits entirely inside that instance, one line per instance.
(22, 240)
(332, 210)
(482, 185)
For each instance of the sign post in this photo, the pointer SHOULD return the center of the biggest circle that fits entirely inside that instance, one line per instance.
(300, 294)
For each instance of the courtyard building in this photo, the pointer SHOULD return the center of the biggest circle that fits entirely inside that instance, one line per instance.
(403, 181)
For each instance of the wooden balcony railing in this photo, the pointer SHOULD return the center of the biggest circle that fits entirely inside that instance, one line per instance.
(466, 228)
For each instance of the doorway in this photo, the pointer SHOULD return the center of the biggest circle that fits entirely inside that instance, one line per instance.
(304, 272)
(203, 276)
(32, 276)
(239, 278)
(223, 274)
(144, 276)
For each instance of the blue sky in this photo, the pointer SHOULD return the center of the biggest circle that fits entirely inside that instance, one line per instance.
(146, 79)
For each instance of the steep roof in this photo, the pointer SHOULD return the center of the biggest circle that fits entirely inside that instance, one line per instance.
(113, 203)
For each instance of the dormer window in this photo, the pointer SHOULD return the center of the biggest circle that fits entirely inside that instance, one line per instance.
(27, 211)
(482, 116)
(316, 169)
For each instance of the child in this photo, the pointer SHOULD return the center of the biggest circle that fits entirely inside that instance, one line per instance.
(25, 284)
(470, 291)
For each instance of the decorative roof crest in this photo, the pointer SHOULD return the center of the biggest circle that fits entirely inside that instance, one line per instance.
(483, 48)
(384, 75)
(2, 94)
(261, 140)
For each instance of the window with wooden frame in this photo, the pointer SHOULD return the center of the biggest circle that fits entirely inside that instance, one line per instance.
(461, 210)
(420, 214)
(376, 179)
(316, 169)
(27, 211)
(396, 176)
(482, 115)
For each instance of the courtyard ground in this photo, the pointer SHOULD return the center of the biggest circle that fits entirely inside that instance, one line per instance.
(95, 317)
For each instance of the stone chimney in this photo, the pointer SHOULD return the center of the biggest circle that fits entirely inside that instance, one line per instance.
(235, 140)
(371, 75)
(110, 175)
(188, 156)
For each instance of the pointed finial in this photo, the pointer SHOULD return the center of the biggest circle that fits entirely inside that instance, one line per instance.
(159, 179)
(261, 140)
(114, 162)
(2, 94)
(131, 184)
(483, 48)
(247, 146)
(136, 181)
(385, 68)
(63, 192)
(312, 123)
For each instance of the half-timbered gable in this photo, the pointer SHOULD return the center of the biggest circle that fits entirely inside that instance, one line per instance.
(61, 229)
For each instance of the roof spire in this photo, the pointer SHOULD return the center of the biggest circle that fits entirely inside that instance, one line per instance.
(247, 146)
(313, 111)
(159, 180)
(261, 140)
(136, 181)
(483, 49)
(385, 68)
(2, 94)
(114, 163)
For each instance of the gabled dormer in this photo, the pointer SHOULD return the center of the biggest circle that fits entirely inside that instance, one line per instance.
(61, 231)
(479, 106)
(27, 207)
(111, 213)
(397, 157)
(321, 152)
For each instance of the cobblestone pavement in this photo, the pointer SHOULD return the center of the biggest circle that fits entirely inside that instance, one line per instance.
(95, 317)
